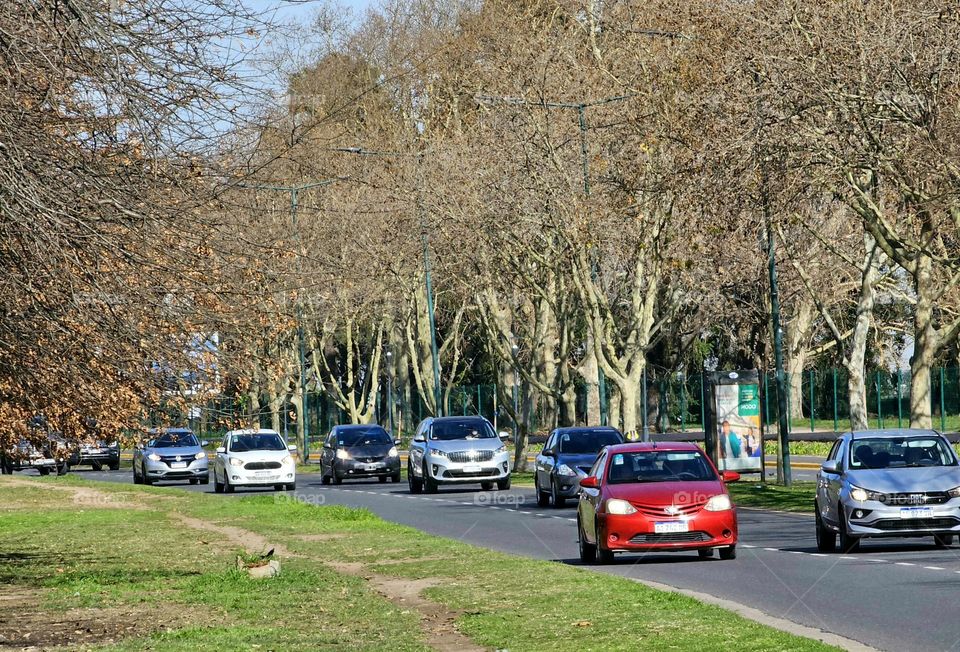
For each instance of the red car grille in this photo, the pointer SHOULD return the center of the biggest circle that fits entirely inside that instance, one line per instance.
(661, 511)
(676, 537)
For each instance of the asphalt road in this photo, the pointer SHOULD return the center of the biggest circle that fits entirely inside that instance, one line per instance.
(893, 595)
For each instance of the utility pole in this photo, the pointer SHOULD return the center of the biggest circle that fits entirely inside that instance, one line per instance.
(581, 109)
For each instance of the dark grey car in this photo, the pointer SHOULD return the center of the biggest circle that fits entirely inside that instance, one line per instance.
(888, 483)
(358, 451)
(567, 456)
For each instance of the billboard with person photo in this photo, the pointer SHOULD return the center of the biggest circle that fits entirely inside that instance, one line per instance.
(734, 436)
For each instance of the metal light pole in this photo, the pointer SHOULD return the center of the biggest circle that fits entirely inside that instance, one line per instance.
(516, 391)
(581, 109)
(390, 389)
(428, 281)
(294, 206)
(783, 425)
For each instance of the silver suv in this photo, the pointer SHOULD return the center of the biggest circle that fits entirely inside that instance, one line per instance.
(457, 450)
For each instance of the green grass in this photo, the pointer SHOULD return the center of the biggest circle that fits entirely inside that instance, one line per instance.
(110, 557)
(796, 498)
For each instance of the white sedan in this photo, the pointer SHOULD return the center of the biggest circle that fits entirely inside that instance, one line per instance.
(254, 458)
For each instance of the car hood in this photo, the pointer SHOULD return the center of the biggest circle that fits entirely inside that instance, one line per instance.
(262, 456)
(666, 493)
(370, 450)
(906, 480)
(574, 461)
(184, 451)
(466, 444)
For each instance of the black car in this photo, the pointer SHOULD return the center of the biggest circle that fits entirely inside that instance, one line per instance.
(567, 456)
(99, 454)
(359, 452)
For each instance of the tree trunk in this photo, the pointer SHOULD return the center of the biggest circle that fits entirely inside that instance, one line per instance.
(589, 371)
(614, 406)
(629, 390)
(925, 346)
(856, 359)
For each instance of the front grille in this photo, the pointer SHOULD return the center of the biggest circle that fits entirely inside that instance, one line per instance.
(261, 466)
(675, 537)
(172, 459)
(465, 457)
(660, 511)
(458, 473)
(922, 498)
(368, 460)
(893, 525)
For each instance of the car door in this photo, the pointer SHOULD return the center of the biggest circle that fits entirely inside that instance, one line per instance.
(417, 447)
(327, 453)
(589, 501)
(544, 463)
(828, 485)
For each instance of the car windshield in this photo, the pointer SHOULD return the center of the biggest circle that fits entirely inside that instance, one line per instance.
(363, 437)
(900, 452)
(466, 429)
(659, 466)
(175, 440)
(587, 442)
(256, 442)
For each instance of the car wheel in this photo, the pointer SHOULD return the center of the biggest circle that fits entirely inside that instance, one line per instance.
(555, 497)
(543, 498)
(588, 551)
(217, 485)
(146, 478)
(115, 466)
(136, 476)
(97, 466)
(395, 477)
(943, 540)
(848, 542)
(6, 467)
(205, 480)
(414, 483)
(324, 477)
(604, 556)
(279, 487)
(730, 552)
(705, 554)
(826, 538)
(194, 481)
(44, 470)
(227, 487)
(504, 484)
(63, 469)
(486, 486)
(430, 485)
(291, 486)
(336, 478)
(382, 478)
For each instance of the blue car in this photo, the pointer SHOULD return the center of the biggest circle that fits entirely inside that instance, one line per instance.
(568, 456)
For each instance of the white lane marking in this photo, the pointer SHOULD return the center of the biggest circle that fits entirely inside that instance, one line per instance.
(879, 561)
(747, 545)
(527, 513)
(772, 549)
(934, 568)
(817, 554)
(795, 552)
(905, 563)
(849, 558)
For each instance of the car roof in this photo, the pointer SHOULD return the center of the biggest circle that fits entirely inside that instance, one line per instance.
(587, 429)
(169, 431)
(359, 426)
(248, 431)
(638, 447)
(891, 433)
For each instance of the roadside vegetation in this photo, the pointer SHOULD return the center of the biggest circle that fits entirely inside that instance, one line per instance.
(132, 568)
(796, 498)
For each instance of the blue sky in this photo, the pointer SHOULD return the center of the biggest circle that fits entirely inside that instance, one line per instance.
(304, 9)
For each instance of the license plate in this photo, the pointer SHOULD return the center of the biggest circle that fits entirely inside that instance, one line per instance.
(916, 512)
(178, 465)
(472, 468)
(263, 474)
(671, 527)
(371, 467)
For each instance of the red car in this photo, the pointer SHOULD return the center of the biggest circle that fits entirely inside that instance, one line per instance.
(655, 497)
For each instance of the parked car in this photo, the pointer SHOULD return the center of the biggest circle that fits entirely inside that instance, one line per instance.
(566, 458)
(171, 454)
(655, 497)
(254, 458)
(352, 451)
(887, 483)
(53, 456)
(457, 450)
(100, 453)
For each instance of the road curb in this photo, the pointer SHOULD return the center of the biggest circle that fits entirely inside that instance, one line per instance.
(757, 616)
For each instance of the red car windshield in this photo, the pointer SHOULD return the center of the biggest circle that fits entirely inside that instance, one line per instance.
(659, 466)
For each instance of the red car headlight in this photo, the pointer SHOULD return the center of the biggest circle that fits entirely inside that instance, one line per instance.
(719, 503)
(620, 507)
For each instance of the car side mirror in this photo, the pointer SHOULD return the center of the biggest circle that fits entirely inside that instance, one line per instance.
(730, 476)
(292, 448)
(830, 466)
(396, 442)
(589, 482)
(549, 452)
(419, 438)
(204, 443)
(504, 436)
(221, 449)
(326, 446)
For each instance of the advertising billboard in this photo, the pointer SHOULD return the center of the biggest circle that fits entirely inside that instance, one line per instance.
(734, 437)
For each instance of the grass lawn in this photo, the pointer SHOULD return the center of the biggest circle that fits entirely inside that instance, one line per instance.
(116, 567)
(796, 498)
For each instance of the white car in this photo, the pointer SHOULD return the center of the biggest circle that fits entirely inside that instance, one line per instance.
(254, 458)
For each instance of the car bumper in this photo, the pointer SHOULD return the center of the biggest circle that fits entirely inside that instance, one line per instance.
(568, 486)
(638, 532)
(876, 519)
(242, 478)
(104, 457)
(357, 469)
(196, 470)
(444, 470)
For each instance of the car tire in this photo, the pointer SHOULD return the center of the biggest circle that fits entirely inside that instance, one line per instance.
(543, 498)
(395, 477)
(414, 483)
(324, 478)
(44, 470)
(382, 479)
(705, 554)
(588, 551)
(604, 556)
(291, 486)
(97, 466)
(486, 486)
(730, 552)
(63, 469)
(136, 477)
(848, 542)
(279, 487)
(826, 538)
(504, 484)
(556, 499)
(205, 480)
(6, 467)
(217, 485)
(194, 481)
(943, 540)
(145, 478)
(336, 478)
(115, 466)
(227, 487)
(430, 485)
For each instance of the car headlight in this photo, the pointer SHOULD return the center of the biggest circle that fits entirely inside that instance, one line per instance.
(236, 461)
(342, 454)
(718, 503)
(617, 506)
(954, 493)
(502, 449)
(563, 469)
(437, 452)
(393, 452)
(200, 456)
(286, 460)
(154, 457)
(862, 495)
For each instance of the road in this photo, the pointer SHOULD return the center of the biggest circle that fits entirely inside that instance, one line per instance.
(893, 595)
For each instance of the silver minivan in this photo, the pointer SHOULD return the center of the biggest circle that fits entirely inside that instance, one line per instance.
(888, 483)
(457, 450)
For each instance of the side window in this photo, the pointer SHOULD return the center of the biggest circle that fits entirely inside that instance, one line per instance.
(597, 470)
(833, 450)
(551, 440)
(841, 455)
(422, 430)
(226, 443)
(332, 438)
